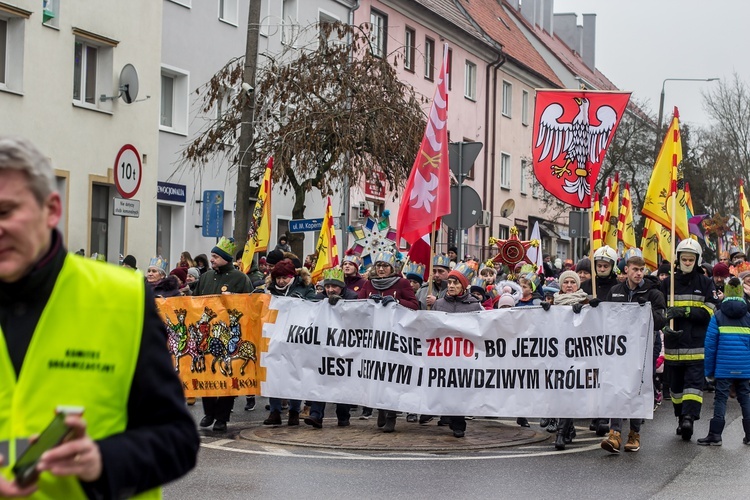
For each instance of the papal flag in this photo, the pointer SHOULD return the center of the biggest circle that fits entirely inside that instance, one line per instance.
(260, 221)
(327, 250)
(596, 234)
(625, 230)
(665, 179)
(650, 243)
(609, 226)
(744, 211)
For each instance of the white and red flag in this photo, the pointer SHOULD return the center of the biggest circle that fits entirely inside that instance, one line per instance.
(427, 195)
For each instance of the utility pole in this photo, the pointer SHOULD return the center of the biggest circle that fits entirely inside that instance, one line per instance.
(247, 129)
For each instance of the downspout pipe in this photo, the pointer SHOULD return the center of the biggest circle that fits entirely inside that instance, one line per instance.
(489, 152)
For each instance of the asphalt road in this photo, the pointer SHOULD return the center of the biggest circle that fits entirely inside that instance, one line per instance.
(665, 468)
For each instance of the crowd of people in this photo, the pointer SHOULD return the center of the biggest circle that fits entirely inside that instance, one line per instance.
(464, 285)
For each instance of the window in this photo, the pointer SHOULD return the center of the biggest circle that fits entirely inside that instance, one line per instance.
(163, 231)
(229, 11)
(99, 219)
(504, 170)
(173, 114)
(379, 33)
(524, 173)
(51, 13)
(93, 70)
(507, 98)
(289, 22)
(429, 58)
(449, 68)
(525, 108)
(325, 20)
(534, 187)
(12, 29)
(470, 81)
(409, 49)
(503, 232)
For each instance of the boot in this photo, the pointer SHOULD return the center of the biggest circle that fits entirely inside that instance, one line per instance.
(594, 425)
(634, 441)
(679, 426)
(381, 418)
(715, 428)
(746, 427)
(390, 422)
(686, 427)
(293, 418)
(523, 422)
(560, 439)
(602, 427)
(613, 442)
(273, 419)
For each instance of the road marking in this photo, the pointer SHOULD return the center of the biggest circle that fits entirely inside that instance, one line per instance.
(284, 453)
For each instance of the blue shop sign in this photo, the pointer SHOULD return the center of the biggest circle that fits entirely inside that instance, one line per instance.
(171, 192)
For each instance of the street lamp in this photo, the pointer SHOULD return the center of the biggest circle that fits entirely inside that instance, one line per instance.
(661, 98)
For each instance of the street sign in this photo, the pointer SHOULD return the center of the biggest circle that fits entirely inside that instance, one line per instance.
(126, 208)
(470, 210)
(213, 214)
(310, 225)
(128, 171)
(171, 192)
(469, 152)
(579, 224)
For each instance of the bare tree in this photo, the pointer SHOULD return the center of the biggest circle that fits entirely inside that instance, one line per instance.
(327, 112)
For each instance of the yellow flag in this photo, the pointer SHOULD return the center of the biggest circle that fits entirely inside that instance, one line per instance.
(625, 230)
(597, 233)
(609, 227)
(744, 211)
(651, 243)
(328, 251)
(665, 179)
(260, 222)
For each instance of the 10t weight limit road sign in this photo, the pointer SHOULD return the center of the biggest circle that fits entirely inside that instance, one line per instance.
(128, 171)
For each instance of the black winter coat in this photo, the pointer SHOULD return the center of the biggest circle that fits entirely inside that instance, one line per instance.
(648, 292)
(603, 286)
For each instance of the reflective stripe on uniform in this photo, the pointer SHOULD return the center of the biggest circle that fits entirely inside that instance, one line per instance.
(689, 300)
(676, 397)
(683, 354)
(693, 395)
(743, 330)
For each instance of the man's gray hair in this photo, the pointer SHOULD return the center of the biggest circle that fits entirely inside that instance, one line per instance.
(17, 153)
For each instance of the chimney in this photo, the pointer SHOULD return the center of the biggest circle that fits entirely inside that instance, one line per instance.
(588, 41)
(548, 7)
(568, 31)
(528, 10)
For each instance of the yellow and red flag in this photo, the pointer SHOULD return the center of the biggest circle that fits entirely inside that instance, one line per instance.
(427, 196)
(572, 131)
(744, 211)
(650, 243)
(665, 181)
(260, 222)
(327, 249)
(596, 235)
(609, 227)
(625, 230)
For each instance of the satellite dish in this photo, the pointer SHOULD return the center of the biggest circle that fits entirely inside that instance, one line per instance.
(128, 88)
(507, 208)
(128, 83)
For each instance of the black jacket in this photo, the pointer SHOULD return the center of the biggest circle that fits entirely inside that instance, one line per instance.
(603, 286)
(648, 292)
(161, 437)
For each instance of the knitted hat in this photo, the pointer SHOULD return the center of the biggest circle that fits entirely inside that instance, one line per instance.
(262, 260)
(274, 257)
(194, 272)
(666, 268)
(733, 288)
(334, 276)
(569, 274)
(160, 264)
(744, 274)
(506, 300)
(441, 261)
(584, 265)
(415, 272)
(283, 268)
(129, 261)
(463, 272)
(721, 270)
(180, 272)
(225, 248)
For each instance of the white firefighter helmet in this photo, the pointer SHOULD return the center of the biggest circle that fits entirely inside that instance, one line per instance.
(689, 245)
(606, 253)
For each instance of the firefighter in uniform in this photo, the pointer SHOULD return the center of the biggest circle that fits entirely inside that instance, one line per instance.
(695, 300)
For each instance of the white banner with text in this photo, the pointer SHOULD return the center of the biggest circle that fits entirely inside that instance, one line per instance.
(520, 362)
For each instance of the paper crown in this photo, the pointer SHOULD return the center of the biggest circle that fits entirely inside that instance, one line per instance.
(350, 257)
(479, 283)
(442, 261)
(415, 269)
(386, 257)
(468, 269)
(334, 276)
(227, 247)
(733, 288)
(99, 257)
(160, 263)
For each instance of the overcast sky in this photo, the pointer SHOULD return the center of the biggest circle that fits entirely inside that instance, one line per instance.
(639, 43)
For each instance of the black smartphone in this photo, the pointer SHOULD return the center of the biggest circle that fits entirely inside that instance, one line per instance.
(25, 468)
